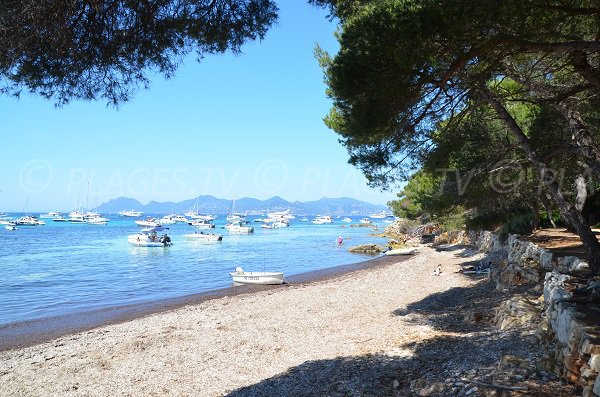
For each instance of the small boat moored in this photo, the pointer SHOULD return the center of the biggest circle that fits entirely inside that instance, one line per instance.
(150, 238)
(204, 237)
(10, 227)
(401, 251)
(240, 277)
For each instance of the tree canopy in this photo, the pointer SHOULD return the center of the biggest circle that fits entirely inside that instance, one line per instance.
(88, 49)
(470, 83)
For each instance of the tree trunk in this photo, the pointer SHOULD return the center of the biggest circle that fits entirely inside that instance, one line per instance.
(536, 215)
(567, 211)
(582, 137)
(581, 190)
(548, 208)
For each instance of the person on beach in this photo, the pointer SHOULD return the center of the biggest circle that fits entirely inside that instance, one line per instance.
(438, 271)
(340, 240)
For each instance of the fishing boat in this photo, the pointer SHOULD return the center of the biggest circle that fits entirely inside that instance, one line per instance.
(150, 238)
(204, 237)
(240, 277)
(401, 251)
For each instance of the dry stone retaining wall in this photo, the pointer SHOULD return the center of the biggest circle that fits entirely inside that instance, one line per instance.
(572, 328)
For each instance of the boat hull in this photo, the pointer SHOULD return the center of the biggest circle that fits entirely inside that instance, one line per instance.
(261, 278)
(203, 238)
(401, 251)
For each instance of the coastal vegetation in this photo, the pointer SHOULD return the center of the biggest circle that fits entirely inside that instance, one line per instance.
(488, 110)
(85, 49)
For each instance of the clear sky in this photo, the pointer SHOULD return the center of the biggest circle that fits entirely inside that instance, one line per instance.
(229, 126)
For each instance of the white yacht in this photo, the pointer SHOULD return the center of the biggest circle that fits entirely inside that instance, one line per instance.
(131, 213)
(29, 221)
(239, 228)
(201, 224)
(167, 220)
(51, 215)
(322, 220)
(366, 221)
(347, 220)
(148, 222)
(379, 215)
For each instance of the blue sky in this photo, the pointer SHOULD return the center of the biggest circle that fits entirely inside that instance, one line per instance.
(230, 126)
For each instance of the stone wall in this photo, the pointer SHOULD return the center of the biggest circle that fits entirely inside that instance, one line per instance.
(571, 327)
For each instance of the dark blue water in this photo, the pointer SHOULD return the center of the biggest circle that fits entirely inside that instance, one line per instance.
(64, 268)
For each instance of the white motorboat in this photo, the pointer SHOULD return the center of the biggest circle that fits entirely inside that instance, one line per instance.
(167, 220)
(379, 215)
(348, 220)
(204, 237)
(131, 213)
(51, 215)
(265, 278)
(76, 218)
(365, 221)
(29, 221)
(95, 218)
(202, 224)
(150, 238)
(401, 251)
(149, 222)
(179, 219)
(322, 220)
(239, 228)
(10, 227)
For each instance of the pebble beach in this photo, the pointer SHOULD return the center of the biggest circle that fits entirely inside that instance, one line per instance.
(360, 333)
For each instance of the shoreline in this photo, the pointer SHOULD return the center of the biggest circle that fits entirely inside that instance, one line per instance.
(392, 328)
(22, 334)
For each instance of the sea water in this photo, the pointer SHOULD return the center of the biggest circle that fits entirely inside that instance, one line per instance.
(63, 268)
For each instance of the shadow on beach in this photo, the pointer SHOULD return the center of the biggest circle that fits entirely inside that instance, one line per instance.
(438, 365)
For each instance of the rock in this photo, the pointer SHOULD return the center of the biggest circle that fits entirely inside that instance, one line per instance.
(370, 249)
(395, 384)
(597, 386)
(594, 362)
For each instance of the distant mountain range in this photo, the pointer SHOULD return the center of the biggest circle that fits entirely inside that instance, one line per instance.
(213, 205)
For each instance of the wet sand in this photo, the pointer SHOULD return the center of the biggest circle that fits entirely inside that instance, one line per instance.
(32, 332)
(216, 346)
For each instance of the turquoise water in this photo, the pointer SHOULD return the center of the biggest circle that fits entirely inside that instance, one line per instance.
(65, 268)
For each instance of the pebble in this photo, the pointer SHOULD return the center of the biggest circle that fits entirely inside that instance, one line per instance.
(471, 391)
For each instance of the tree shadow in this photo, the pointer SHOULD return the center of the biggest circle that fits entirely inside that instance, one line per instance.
(445, 311)
(437, 365)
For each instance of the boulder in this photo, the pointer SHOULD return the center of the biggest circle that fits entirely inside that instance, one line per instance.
(370, 249)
